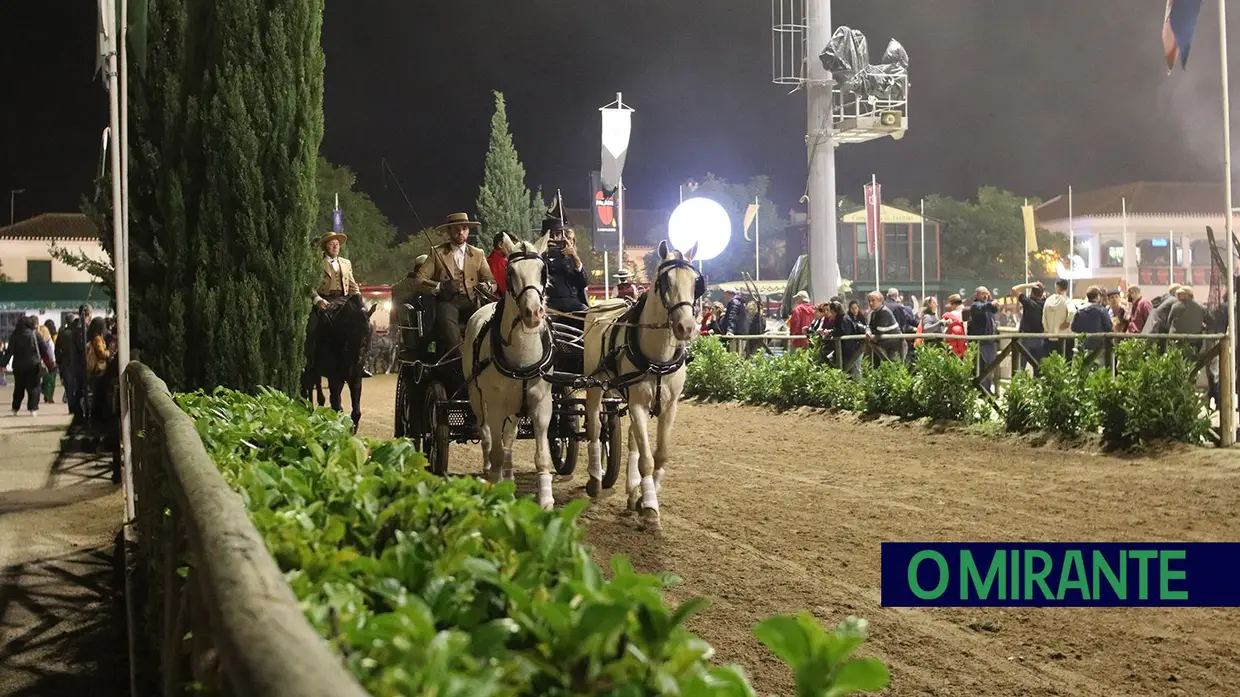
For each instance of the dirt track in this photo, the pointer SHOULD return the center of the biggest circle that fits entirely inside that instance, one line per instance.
(766, 513)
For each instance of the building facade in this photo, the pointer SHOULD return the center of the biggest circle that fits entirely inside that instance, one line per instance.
(1149, 234)
(39, 285)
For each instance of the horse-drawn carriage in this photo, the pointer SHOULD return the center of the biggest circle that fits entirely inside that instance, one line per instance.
(433, 409)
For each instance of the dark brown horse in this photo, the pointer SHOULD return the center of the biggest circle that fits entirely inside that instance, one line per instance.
(337, 350)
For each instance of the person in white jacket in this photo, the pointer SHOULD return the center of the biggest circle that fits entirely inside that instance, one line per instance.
(1057, 317)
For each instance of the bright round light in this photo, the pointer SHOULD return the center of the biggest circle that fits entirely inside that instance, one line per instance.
(700, 221)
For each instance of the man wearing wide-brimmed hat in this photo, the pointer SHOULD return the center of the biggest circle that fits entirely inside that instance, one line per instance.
(459, 275)
(335, 281)
(624, 285)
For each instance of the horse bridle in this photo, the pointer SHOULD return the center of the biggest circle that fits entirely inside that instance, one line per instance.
(662, 284)
(511, 277)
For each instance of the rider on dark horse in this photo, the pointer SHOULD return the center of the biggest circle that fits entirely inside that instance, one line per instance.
(336, 283)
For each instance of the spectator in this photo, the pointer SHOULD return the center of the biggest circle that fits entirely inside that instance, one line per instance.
(1139, 310)
(735, 318)
(1187, 316)
(48, 332)
(1119, 313)
(1057, 315)
(930, 322)
(854, 311)
(1094, 318)
(1032, 307)
(847, 324)
(497, 260)
(1159, 321)
(801, 319)
(30, 354)
(982, 322)
(882, 327)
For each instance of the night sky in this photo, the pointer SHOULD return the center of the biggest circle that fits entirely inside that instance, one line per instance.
(1029, 96)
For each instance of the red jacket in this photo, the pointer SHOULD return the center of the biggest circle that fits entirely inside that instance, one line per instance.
(802, 317)
(1139, 315)
(955, 328)
(499, 269)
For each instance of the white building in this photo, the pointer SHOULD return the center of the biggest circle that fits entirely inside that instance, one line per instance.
(1161, 239)
(40, 285)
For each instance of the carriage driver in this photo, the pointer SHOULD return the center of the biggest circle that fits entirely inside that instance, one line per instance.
(458, 274)
(336, 281)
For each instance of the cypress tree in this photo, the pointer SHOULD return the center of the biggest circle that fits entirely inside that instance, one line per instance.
(226, 128)
(504, 203)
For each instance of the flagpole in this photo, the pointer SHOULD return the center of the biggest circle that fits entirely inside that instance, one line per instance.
(1229, 387)
(757, 236)
(1171, 256)
(923, 250)
(606, 278)
(1026, 250)
(1071, 247)
(878, 231)
(620, 220)
(1123, 206)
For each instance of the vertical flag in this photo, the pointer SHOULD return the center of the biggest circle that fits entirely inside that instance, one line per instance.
(873, 215)
(337, 217)
(751, 214)
(1031, 234)
(617, 124)
(1177, 32)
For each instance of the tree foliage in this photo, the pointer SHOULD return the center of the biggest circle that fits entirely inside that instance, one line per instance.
(986, 238)
(3, 276)
(504, 202)
(227, 121)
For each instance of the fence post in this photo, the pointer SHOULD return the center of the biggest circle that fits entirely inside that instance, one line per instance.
(1226, 400)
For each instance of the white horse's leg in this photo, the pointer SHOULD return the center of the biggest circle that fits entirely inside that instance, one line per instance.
(509, 437)
(663, 441)
(484, 429)
(649, 497)
(594, 427)
(541, 419)
(633, 474)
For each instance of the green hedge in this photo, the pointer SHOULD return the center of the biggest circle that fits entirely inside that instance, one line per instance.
(454, 587)
(1153, 397)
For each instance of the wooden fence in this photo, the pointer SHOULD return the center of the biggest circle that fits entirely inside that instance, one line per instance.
(1012, 349)
(231, 625)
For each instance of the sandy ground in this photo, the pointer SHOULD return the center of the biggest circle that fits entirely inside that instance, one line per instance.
(61, 595)
(768, 513)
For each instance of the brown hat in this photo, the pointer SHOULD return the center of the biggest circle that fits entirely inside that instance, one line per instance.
(322, 241)
(455, 219)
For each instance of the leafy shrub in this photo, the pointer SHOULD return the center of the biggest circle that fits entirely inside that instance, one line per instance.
(943, 384)
(1153, 397)
(451, 586)
(714, 371)
(1063, 406)
(888, 389)
(1020, 403)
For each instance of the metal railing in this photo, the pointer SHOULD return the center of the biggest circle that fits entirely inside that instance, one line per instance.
(231, 624)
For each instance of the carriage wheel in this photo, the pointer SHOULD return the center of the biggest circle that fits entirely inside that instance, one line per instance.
(611, 445)
(564, 446)
(399, 428)
(435, 436)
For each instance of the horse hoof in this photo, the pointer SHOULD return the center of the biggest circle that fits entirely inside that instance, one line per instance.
(635, 499)
(651, 520)
(594, 487)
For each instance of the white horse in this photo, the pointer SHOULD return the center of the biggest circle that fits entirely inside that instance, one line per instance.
(507, 347)
(640, 352)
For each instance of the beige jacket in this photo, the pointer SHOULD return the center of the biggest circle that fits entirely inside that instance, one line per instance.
(476, 270)
(331, 280)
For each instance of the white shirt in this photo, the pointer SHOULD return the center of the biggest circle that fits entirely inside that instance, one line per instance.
(335, 263)
(1058, 310)
(458, 254)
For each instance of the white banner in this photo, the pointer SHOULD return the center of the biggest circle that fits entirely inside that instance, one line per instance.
(617, 124)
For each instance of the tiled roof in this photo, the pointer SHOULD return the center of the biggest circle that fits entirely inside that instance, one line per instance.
(1142, 198)
(52, 226)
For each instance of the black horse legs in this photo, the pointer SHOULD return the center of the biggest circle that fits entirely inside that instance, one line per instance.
(336, 387)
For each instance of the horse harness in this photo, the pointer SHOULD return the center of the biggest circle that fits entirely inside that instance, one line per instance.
(631, 347)
(494, 332)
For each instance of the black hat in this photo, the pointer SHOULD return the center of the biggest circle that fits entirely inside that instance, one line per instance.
(557, 219)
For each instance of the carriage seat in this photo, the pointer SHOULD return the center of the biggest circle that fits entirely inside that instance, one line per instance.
(415, 328)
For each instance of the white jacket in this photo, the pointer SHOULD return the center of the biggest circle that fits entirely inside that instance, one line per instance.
(1058, 311)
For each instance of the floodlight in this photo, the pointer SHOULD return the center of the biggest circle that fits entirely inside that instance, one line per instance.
(701, 221)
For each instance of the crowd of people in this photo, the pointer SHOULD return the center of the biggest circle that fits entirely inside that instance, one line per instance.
(82, 354)
(887, 321)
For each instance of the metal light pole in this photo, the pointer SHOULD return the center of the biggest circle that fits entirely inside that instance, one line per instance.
(12, 194)
(1229, 383)
(820, 142)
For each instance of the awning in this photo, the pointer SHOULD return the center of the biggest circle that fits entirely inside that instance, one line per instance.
(52, 296)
